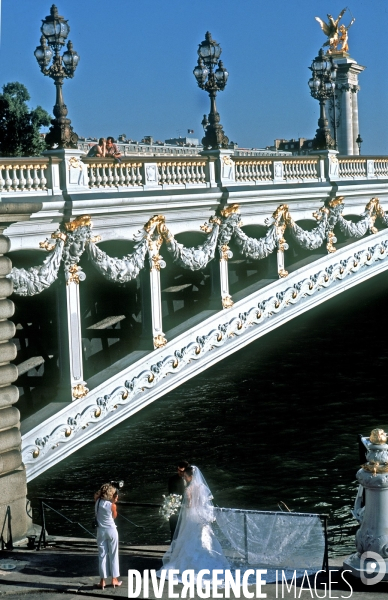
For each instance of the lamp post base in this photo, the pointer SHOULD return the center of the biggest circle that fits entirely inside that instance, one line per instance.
(215, 137)
(323, 140)
(61, 134)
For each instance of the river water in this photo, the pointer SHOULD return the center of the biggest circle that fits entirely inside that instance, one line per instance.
(276, 421)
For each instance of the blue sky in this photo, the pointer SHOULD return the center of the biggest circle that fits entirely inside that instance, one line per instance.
(137, 57)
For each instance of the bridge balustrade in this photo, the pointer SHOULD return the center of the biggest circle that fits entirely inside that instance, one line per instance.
(22, 176)
(130, 172)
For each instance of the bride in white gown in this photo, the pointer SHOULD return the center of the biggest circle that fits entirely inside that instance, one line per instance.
(194, 545)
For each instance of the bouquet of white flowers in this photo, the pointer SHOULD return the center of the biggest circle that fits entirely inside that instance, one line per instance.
(171, 505)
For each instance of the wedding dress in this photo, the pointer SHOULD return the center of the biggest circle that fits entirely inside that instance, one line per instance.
(273, 541)
(194, 545)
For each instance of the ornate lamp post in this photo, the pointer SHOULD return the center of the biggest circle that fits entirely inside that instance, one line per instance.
(359, 141)
(211, 80)
(322, 87)
(55, 30)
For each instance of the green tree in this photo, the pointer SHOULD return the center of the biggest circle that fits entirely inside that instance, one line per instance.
(19, 126)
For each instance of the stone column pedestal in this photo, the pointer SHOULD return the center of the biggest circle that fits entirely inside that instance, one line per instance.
(346, 104)
(224, 167)
(70, 174)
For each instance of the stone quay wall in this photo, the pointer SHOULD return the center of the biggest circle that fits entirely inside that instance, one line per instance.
(13, 484)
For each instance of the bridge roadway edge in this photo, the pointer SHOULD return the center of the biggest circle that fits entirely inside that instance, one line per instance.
(112, 402)
(119, 215)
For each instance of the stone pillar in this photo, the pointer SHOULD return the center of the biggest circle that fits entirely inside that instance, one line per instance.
(73, 173)
(75, 339)
(72, 385)
(13, 486)
(215, 285)
(146, 315)
(152, 322)
(225, 255)
(346, 105)
(355, 125)
(370, 562)
(224, 167)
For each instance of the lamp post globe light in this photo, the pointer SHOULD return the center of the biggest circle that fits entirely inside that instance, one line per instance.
(211, 80)
(55, 30)
(322, 87)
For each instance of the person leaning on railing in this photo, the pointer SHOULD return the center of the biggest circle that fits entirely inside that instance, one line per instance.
(107, 538)
(98, 149)
(112, 149)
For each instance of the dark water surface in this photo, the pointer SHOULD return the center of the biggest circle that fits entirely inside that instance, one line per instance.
(277, 421)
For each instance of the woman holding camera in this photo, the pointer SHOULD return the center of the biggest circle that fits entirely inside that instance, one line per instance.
(107, 538)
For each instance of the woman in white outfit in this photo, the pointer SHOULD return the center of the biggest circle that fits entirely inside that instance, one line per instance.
(194, 545)
(107, 538)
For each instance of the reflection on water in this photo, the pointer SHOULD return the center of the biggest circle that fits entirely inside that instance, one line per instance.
(277, 421)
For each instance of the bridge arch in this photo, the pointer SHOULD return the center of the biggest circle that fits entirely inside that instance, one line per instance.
(200, 346)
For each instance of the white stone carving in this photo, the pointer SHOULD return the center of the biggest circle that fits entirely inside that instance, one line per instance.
(119, 270)
(35, 279)
(256, 248)
(28, 282)
(151, 174)
(194, 258)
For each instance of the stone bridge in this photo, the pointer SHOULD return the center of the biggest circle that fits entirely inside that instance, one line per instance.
(130, 278)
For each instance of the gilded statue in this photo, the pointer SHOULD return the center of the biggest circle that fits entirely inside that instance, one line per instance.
(336, 34)
(344, 36)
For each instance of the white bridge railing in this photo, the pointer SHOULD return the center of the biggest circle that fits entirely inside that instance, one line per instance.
(362, 168)
(130, 172)
(37, 175)
(23, 174)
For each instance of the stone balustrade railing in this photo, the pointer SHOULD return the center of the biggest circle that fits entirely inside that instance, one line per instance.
(176, 172)
(23, 174)
(301, 169)
(352, 167)
(380, 166)
(293, 170)
(363, 168)
(108, 173)
(50, 174)
(253, 170)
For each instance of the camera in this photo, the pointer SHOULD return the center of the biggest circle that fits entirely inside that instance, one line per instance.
(118, 484)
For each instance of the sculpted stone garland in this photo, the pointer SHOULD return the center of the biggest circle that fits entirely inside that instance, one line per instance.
(193, 258)
(73, 238)
(120, 270)
(28, 282)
